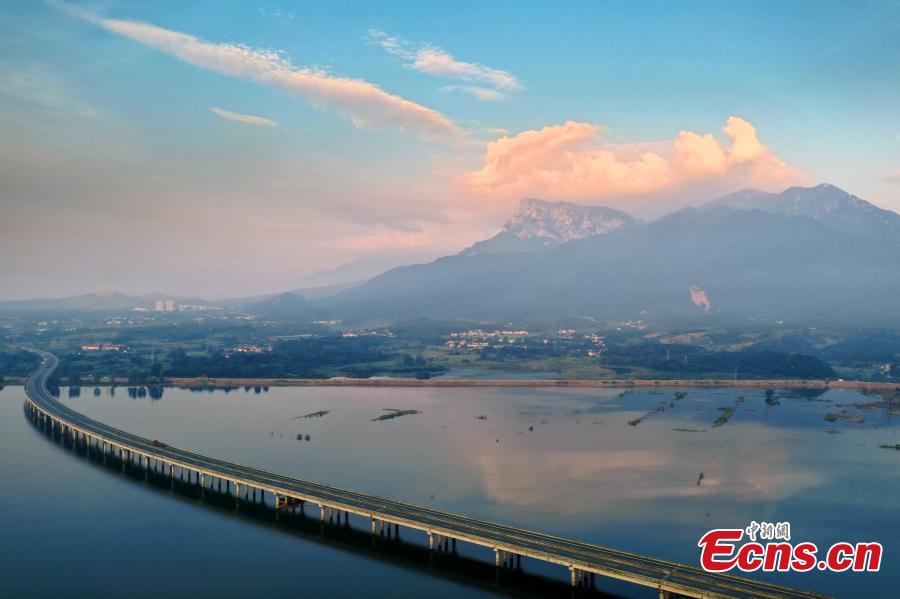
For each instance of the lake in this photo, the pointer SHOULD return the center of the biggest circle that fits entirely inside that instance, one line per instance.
(642, 470)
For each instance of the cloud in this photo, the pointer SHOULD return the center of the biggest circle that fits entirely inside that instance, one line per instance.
(247, 119)
(435, 61)
(383, 238)
(364, 103)
(43, 89)
(485, 94)
(432, 60)
(568, 162)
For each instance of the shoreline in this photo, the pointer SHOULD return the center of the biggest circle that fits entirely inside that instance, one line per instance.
(221, 383)
(194, 382)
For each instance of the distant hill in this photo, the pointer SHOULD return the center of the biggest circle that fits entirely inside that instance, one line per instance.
(539, 226)
(311, 293)
(361, 269)
(716, 262)
(280, 306)
(824, 203)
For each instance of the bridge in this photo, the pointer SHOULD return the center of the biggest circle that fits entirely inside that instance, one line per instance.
(443, 529)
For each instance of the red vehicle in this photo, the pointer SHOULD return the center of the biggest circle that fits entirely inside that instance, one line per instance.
(159, 443)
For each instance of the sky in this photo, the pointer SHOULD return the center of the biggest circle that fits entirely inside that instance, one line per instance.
(226, 149)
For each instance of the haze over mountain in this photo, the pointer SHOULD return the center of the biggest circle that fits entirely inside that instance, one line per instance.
(361, 269)
(758, 262)
(825, 203)
(538, 225)
(283, 305)
(805, 254)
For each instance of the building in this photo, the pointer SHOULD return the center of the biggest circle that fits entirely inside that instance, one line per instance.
(165, 305)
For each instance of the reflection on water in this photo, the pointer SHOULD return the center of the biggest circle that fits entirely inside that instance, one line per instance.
(350, 534)
(568, 461)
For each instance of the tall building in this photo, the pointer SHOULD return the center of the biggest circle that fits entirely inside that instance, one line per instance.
(164, 306)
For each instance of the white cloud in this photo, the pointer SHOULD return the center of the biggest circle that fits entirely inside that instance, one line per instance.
(247, 119)
(485, 94)
(435, 61)
(364, 103)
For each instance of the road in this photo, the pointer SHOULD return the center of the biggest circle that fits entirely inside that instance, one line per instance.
(668, 577)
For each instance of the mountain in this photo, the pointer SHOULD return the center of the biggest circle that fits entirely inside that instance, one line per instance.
(539, 226)
(311, 293)
(360, 269)
(824, 203)
(694, 265)
(280, 306)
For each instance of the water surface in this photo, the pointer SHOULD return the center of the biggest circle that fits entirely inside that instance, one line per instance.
(617, 468)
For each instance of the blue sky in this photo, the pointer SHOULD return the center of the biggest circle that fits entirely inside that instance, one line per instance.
(334, 130)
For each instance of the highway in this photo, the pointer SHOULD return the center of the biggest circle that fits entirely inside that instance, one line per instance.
(669, 578)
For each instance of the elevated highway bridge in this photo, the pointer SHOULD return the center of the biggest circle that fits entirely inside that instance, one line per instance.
(509, 544)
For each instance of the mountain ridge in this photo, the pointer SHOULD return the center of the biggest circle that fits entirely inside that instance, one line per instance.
(712, 261)
(824, 202)
(539, 225)
(804, 252)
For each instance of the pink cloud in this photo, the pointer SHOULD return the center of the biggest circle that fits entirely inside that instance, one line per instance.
(568, 162)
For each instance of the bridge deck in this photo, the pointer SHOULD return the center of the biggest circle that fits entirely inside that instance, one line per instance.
(668, 577)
